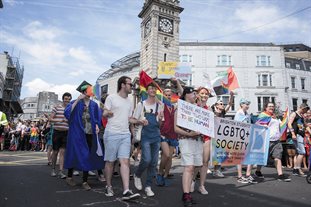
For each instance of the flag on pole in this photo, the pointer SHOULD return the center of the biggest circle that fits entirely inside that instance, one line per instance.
(144, 81)
(225, 81)
(283, 124)
(208, 84)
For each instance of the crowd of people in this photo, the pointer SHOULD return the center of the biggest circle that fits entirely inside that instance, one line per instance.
(87, 136)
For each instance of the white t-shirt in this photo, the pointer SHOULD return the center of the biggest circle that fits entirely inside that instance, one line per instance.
(122, 109)
(149, 109)
(274, 127)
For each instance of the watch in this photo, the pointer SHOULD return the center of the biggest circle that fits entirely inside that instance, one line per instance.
(147, 27)
(165, 25)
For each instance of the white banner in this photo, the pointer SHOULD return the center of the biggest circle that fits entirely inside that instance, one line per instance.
(195, 118)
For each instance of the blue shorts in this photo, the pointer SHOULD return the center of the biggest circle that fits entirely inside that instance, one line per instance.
(170, 142)
(117, 146)
(299, 144)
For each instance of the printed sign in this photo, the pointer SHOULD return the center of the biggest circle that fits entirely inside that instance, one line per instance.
(257, 152)
(239, 143)
(195, 118)
(167, 70)
(231, 142)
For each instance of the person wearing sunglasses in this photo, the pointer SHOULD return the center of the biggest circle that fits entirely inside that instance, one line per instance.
(220, 110)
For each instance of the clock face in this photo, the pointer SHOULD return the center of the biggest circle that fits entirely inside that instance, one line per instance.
(147, 28)
(166, 25)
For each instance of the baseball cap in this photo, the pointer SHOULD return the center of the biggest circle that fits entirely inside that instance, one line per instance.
(304, 106)
(186, 90)
(244, 101)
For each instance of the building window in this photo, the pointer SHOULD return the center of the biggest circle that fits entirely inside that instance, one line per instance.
(288, 65)
(293, 82)
(263, 60)
(297, 66)
(186, 58)
(265, 79)
(224, 60)
(305, 101)
(303, 83)
(225, 100)
(262, 100)
(104, 89)
(295, 106)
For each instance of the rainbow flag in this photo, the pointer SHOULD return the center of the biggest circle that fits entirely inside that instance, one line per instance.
(283, 125)
(144, 81)
(225, 81)
(174, 98)
(263, 119)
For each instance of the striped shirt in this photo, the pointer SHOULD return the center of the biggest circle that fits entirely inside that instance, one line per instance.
(59, 123)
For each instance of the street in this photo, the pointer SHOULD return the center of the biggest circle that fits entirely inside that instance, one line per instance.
(25, 181)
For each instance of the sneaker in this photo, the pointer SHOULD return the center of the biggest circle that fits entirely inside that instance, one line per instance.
(70, 182)
(284, 178)
(91, 173)
(242, 180)
(137, 183)
(258, 174)
(149, 192)
(250, 179)
(295, 172)
(159, 180)
(218, 173)
(187, 199)
(166, 182)
(129, 195)
(86, 186)
(101, 178)
(76, 173)
(202, 190)
(192, 186)
(301, 173)
(108, 191)
(53, 173)
(61, 175)
(209, 171)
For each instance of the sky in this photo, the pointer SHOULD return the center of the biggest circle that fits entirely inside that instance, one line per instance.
(60, 43)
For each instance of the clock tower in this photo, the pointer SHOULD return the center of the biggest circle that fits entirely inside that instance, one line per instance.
(159, 34)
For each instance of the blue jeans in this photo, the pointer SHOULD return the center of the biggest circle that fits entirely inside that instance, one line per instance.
(149, 160)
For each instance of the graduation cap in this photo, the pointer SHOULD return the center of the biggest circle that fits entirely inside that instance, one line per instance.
(83, 86)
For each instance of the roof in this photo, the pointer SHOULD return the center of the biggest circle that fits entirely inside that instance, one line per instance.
(227, 44)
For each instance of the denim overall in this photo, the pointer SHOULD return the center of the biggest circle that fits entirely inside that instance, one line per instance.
(150, 146)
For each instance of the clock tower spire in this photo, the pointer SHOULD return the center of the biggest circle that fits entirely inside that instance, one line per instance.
(159, 33)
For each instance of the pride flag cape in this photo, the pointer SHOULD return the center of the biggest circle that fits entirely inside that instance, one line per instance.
(263, 119)
(225, 81)
(283, 125)
(144, 81)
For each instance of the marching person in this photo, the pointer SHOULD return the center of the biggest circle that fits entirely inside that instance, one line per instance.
(84, 151)
(191, 147)
(117, 136)
(152, 110)
(268, 118)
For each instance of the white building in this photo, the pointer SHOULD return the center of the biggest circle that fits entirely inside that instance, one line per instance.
(260, 68)
(30, 108)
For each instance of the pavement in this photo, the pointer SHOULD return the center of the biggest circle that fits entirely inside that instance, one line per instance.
(25, 181)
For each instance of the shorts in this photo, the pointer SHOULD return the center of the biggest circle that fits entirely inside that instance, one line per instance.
(275, 149)
(191, 151)
(170, 142)
(59, 139)
(299, 144)
(117, 146)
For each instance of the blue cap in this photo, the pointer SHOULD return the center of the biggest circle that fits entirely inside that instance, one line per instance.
(244, 101)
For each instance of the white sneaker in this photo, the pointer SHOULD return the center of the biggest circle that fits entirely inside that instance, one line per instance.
(137, 183)
(218, 173)
(91, 173)
(209, 171)
(61, 175)
(202, 190)
(53, 173)
(149, 192)
(76, 173)
(108, 191)
(192, 186)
